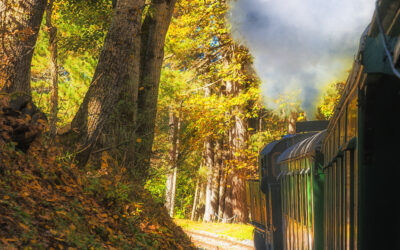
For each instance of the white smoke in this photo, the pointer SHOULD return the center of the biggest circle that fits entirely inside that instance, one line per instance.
(300, 45)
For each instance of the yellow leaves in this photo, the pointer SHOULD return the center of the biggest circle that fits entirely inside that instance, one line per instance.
(45, 217)
(6, 241)
(138, 140)
(110, 230)
(25, 227)
(61, 212)
(72, 227)
(52, 231)
(141, 88)
(6, 197)
(24, 194)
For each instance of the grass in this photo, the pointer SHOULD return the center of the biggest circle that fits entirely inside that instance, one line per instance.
(237, 231)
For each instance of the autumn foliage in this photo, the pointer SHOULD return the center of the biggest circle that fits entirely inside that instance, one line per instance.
(46, 202)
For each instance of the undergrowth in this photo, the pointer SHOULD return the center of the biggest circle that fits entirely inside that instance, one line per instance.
(46, 202)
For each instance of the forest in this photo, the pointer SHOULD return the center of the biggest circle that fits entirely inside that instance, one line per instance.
(118, 116)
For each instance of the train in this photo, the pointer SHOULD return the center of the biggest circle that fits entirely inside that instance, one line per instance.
(334, 184)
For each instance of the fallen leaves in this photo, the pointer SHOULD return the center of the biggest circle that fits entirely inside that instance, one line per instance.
(48, 203)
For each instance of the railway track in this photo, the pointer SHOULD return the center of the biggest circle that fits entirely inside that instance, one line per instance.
(207, 241)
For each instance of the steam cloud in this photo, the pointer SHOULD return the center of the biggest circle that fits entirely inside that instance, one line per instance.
(300, 45)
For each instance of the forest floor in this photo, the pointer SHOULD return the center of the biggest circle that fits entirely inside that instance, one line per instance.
(46, 202)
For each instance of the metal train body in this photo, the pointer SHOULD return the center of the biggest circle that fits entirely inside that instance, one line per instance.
(337, 188)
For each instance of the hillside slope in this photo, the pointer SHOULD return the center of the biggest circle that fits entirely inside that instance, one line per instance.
(46, 202)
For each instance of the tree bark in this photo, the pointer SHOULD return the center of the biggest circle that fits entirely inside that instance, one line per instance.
(20, 25)
(238, 178)
(196, 195)
(116, 71)
(174, 124)
(237, 141)
(173, 195)
(154, 30)
(228, 206)
(52, 31)
(209, 162)
(222, 195)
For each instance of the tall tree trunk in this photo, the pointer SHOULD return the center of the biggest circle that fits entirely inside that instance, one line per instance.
(209, 162)
(218, 165)
(238, 179)
(116, 71)
(173, 194)
(196, 196)
(154, 30)
(222, 194)
(202, 198)
(173, 161)
(237, 144)
(228, 206)
(53, 68)
(20, 25)
(221, 177)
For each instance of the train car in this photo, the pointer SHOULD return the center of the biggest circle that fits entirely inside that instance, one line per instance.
(264, 195)
(362, 141)
(338, 188)
(301, 183)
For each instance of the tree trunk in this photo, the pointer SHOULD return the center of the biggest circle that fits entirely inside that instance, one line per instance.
(196, 195)
(237, 144)
(154, 30)
(238, 179)
(228, 208)
(221, 178)
(20, 25)
(116, 71)
(173, 195)
(222, 195)
(53, 68)
(202, 198)
(174, 125)
(209, 162)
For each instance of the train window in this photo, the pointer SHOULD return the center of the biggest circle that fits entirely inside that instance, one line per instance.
(352, 116)
(261, 167)
(336, 139)
(331, 146)
(343, 128)
(274, 166)
(328, 145)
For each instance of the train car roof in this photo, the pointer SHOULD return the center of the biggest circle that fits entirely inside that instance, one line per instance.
(288, 139)
(306, 147)
(267, 149)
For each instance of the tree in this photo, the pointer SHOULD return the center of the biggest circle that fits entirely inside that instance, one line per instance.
(154, 30)
(174, 130)
(20, 24)
(117, 70)
(52, 31)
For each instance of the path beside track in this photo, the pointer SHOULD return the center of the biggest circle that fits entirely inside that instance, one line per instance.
(205, 240)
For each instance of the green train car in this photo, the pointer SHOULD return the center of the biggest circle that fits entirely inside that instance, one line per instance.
(264, 196)
(337, 188)
(302, 183)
